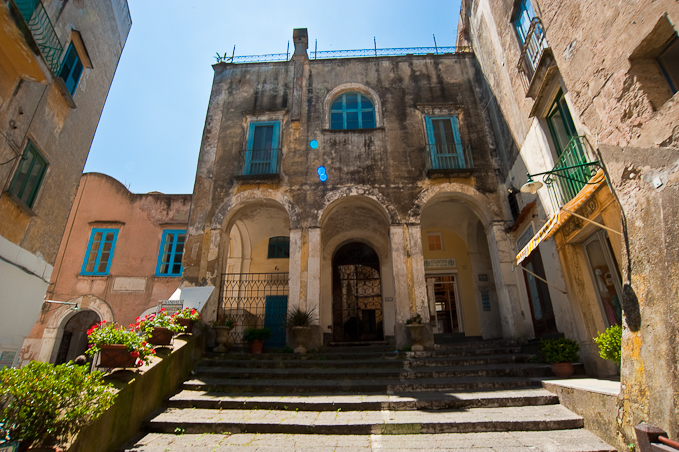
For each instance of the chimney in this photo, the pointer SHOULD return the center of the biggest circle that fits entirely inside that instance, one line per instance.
(301, 40)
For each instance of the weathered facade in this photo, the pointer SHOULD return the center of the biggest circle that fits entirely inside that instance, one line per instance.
(578, 83)
(57, 61)
(412, 219)
(120, 255)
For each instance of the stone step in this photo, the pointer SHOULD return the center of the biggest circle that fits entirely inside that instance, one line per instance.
(557, 440)
(435, 400)
(316, 373)
(387, 422)
(362, 386)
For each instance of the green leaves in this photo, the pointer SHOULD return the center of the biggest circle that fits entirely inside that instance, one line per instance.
(560, 350)
(44, 404)
(610, 344)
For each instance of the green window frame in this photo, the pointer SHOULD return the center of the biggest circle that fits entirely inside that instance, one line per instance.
(71, 69)
(561, 125)
(351, 111)
(171, 253)
(279, 248)
(29, 175)
(99, 252)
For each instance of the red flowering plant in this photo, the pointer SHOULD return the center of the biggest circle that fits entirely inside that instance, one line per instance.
(111, 333)
(187, 313)
(161, 319)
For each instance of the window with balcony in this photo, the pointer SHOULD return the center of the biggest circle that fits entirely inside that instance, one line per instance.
(171, 253)
(531, 35)
(71, 69)
(99, 252)
(561, 125)
(352, 111)
(28, 177)
(279, 248)
(444, 149)
(262, 155)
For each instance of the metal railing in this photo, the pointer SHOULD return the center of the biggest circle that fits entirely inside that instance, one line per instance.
(565, 185)
(532, 50)
(42, 30)
(255, 300)
(448, 157)
(255, 162)
(329, 54)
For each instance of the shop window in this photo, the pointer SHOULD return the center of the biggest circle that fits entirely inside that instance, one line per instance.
(279, 248)
(605, 276)
(262, 154)
(352, 111)
(171, 253)
(435, 241)
(29, 175)
(100, 252)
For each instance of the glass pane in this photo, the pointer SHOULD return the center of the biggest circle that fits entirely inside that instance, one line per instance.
(560, 133)
(263, 137)
(352, 120)
(336, 121)
(351, 102)
(177, 268)
(365, 103)
(33, 180)
(337, 105)
(604, 283)
(21, 174)
(534, 295)
(368, 116)
(94, 250)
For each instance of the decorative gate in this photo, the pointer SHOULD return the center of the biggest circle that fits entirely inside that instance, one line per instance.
(256, 300)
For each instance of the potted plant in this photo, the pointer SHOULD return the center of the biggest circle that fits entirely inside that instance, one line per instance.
(256, 337)
(119, 347)
(43, 405)
(415, 329)
(610, 344)
(186, 318)
(160, 327)
(299, 324)
(223, 326)
(560, 353)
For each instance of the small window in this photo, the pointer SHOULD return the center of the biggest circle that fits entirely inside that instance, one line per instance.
(669, 63)
(171, 253)
(71, 69)
(29, 175)
(561, 125)
(262, 154)
(522, 19)
(514, 205)
(435, 241)
(279, 248)
(444, 145)
(100, 252)
(352, 111)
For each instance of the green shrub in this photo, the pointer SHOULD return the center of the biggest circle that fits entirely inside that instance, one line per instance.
(610, 344)
(43, 404)
(300, 317)
(255, 334)
(560, 350)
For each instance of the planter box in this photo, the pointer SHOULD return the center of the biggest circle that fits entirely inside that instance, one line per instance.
(187, 324)
(160, 336)
(116, 355)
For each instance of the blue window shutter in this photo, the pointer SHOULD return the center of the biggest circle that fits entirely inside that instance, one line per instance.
(458, 142)
(161, 253)
(431, 142)
(170, 255)
(87, 254)
(274, 149)
(248, 152)
(113, 247)
(107, 236)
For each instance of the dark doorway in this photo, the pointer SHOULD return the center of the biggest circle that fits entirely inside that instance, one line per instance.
(275, 309)
(538, 294)
(74, 339)
(357, 294)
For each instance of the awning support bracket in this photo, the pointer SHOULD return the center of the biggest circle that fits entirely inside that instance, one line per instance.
(542, 279)
(592, 221)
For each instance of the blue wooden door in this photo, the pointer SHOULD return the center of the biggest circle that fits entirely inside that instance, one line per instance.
(275, 310)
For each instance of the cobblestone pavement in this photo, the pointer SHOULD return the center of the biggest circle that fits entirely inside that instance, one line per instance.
(552, 441)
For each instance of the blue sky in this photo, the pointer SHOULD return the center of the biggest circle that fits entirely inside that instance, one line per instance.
(149, 133)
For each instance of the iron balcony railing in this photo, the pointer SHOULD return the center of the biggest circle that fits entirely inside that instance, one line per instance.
(565, 184)
(42, 30)
(532, 50)
(256, 300)
(329, 54)
(256, 162)
(448, 157)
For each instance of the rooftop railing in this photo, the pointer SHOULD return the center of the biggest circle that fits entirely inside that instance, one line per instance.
(570, 178)
(532, 50)
(330, 54)
(41, 28)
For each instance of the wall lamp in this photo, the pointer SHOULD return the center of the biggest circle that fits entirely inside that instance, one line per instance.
(531, 186)
(45, 306)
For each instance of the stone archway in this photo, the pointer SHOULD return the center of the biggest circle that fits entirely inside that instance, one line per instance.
(74, 336)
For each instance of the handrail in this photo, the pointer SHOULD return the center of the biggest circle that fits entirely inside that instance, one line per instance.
(40, 25)
(569, 175)
(256, 162)
(448, 157)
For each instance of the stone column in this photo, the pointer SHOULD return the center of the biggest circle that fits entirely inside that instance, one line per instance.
(314, 273)
(295, 270)
(514, 311)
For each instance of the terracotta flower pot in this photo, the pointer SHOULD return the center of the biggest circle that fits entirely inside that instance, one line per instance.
(160, 336)
(256, 346)
(416, 333)
(116, 355)
(187, 324)
(563, 370)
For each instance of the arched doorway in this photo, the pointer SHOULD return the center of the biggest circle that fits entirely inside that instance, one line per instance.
(74, 339)
(357, 294)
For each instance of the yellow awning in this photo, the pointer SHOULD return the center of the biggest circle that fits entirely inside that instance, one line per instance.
(558, 219)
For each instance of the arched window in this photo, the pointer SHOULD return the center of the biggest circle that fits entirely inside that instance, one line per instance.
(352, 111)
(279, 248)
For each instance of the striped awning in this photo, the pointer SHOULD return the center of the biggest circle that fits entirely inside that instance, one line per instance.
(558, 219)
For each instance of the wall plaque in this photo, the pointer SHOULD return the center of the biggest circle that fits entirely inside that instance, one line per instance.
(440, 263)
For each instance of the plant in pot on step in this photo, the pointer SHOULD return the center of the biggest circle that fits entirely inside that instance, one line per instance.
(186, 318)
(223, 326)
(256, 337)
(299, 323)
(160, 327)
(43, 405)
(119, 347)
(415, 329)
(610, 344)
(560, 353)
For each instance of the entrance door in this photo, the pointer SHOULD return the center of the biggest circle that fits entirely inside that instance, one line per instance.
(443, 290)
(538, 292)
(275, 310)
(605, 275)
(357, 295)
(74, 339)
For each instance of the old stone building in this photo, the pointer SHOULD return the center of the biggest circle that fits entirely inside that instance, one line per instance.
(57, 61)
(121, 254)
(588, 91)
(368, 190)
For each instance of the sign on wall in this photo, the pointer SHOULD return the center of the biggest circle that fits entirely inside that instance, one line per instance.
(440, 263)
(7, 358)
(485, 298)
(171, 306)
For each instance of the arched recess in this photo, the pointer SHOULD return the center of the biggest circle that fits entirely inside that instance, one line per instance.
(352, 87)
(482, 206)
(74, 337)
(356, 194)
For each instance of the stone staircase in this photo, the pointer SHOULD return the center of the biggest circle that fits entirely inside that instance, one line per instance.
(459, 391)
